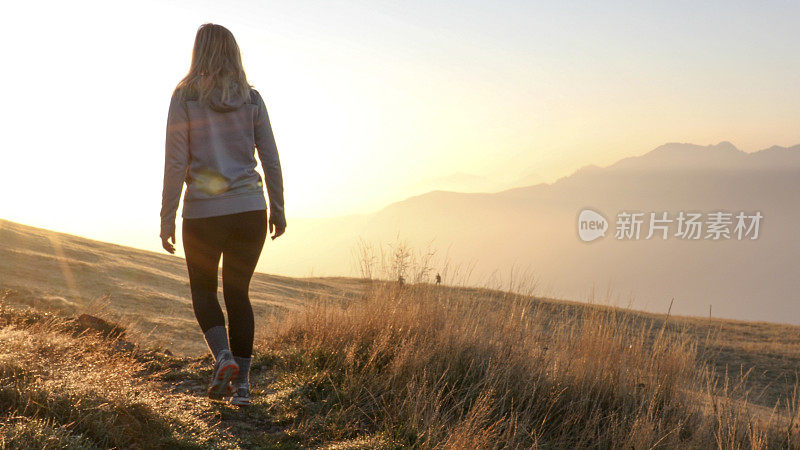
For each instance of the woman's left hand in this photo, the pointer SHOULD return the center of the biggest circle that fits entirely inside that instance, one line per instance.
(166, 244)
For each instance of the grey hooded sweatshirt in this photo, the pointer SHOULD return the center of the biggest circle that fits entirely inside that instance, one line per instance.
(212, 149)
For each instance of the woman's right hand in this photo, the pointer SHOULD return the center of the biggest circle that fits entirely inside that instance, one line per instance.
(278, 230)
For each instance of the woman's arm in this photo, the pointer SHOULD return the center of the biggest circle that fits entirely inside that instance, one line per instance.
(176, 162)
(270, 162)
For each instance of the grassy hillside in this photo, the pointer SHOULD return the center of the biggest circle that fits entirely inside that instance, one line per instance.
(344, 363)
(64, 385)
(410, 367)
(147, 291)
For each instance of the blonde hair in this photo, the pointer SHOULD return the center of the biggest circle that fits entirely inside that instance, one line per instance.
(216, 64)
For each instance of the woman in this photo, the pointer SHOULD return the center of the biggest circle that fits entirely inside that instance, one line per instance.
(215, 123)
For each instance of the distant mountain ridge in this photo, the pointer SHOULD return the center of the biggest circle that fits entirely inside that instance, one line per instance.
(534, 228)
(672, 156)
(720, 156)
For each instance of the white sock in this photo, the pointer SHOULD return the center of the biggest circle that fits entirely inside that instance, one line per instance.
(217, 340)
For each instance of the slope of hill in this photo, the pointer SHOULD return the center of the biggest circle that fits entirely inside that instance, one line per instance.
(535, 229)
(421, 366)
(356, 364)
(149, 294)
(144, 290)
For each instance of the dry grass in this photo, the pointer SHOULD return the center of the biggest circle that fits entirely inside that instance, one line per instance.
(65, 386)
(417, 366)
(372, 365)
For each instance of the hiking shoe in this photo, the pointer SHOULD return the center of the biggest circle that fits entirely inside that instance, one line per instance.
(225, 371)
(241, 397)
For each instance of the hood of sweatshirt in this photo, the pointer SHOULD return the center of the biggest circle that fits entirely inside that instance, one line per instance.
(216, 103)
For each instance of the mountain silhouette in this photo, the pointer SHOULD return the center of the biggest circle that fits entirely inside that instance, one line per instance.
(534, 230)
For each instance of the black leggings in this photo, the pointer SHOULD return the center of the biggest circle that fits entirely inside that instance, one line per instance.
(239, 238)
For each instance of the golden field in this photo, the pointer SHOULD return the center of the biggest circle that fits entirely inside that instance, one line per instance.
(348, 363)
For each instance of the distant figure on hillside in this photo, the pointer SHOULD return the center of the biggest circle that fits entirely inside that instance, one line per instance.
(438, 279)
(401, 280)
(216, 123)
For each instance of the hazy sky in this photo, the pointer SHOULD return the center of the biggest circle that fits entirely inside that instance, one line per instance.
(373, 101)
